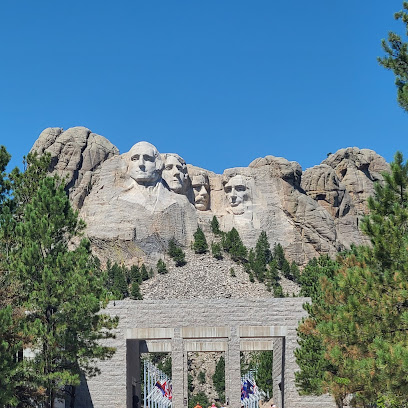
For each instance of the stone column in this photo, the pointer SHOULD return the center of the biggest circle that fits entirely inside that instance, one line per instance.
(278, 370)
(233, 370)
(177, 369)
(133, 384)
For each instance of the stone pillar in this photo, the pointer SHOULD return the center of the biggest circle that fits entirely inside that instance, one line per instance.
(278, 370)
(133, 389)
(233, 370)
(177, 369)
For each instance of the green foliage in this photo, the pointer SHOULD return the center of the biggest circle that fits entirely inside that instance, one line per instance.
(135, 291)
(272, 279)
(260, 258)
(396, 59)
(215, 226)
(176, 253)
(361, 314)
(216, 250)
(117, 282)
(143, 272)
(232, 244)
(263, 363)
(278, 255)
(200, 245)
(165, 365)
(161, 267)
(135, 275)
(201, 377)
(310, 356)
(232, 273)
(219, 378)
(61, 288)
(8, 364)
(199, 398)
(190, 379)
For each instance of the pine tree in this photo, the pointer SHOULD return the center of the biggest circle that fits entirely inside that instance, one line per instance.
(200, 245)
(161, 267)
(216, 250)
(119, 286)
(135, 291)
(144, 273)
(286, 269)
(215, 226)
(279, 255)
(219, 378)
(294, 272)
(232, 244)
(61, 289)
(310, 356)
(362, 317)
(135, 275)
(176, 253)
(8, 364)
(396, 59)
(264, 361)
(260, 258)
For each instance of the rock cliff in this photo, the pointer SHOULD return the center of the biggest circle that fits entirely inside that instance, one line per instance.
(134, 203)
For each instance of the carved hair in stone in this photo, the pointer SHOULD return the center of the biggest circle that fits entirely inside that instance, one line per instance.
(238, 195)
(201, 189)
(175, 173)
(144, 164)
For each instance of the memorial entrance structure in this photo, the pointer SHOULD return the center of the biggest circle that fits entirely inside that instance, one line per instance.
(182, 326)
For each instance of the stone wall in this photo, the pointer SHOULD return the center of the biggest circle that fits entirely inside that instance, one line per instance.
(188, 324)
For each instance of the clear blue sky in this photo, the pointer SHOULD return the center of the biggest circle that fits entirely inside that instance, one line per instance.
(220, 82)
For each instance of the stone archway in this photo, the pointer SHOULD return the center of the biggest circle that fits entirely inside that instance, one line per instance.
(178, 327)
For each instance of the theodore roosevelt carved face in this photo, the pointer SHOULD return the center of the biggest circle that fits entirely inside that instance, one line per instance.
(201, 190)
(237, 193)
(175, 172)
(144, 164)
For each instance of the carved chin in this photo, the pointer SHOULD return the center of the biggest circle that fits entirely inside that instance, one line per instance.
(201, 206)
(175, 186)
(237, 209)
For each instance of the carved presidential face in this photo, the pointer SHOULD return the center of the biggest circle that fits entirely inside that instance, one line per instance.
(201, 190)
(237, 193)
(175, 172)
(144, 164)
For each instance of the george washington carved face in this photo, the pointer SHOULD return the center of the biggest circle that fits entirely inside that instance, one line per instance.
(144, 164)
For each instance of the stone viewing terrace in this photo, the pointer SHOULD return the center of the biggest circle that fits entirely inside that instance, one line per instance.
(182, 326)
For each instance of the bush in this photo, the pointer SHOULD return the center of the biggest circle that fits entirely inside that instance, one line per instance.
(215, 226)
(135, 292)
(176, 253)
(216, 250)
(161, 267)
(200, 245)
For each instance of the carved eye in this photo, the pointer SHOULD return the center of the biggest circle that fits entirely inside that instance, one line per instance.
(135, 157)
(228, 189)
(169, 167)
(240, 188)
(148, 158)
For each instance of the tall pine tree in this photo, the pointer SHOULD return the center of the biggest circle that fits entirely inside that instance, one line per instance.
(61, 290)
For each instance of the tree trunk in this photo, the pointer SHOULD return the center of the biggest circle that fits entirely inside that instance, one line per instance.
(73, 394)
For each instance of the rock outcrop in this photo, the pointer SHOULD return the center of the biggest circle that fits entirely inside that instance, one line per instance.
(76, 155)
(136, 202)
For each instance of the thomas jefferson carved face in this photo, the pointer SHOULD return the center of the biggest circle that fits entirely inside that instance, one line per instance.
(237, 193)
(174, 172)
(145, 164)
(201, 192)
